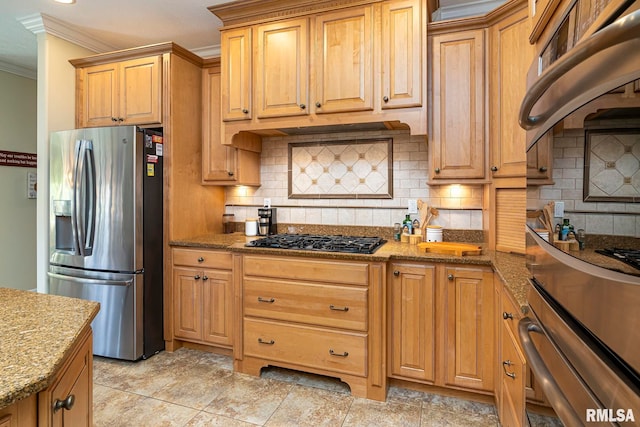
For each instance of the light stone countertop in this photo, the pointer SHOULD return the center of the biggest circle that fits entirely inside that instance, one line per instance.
(510, 267)
(37, 332)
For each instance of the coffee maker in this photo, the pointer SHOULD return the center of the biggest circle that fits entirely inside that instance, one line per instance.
(267, 221)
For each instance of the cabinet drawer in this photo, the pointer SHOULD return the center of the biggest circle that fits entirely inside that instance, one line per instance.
(324, 305)
(348, 273)
(203, 259)
(306, 346)
(510, 314)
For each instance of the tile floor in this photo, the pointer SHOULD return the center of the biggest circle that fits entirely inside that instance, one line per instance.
(194, 388)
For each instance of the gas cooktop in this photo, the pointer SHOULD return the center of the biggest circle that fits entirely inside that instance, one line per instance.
(323, 243)
(628, 256)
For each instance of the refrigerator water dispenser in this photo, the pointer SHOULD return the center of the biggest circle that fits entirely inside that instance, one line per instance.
(64, 227)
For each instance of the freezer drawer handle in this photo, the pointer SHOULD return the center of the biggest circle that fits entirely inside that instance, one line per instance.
(549, 385)
(83, 280)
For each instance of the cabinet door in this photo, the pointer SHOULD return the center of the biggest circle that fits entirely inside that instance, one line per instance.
(76, 380)
(512, 390)
(141, 91)
(282, 69)
(217, 307)
(187, 303)
(236, 74)
(344, 61)
(401, 54)
(99, 95)
(540, 161)
(458, 142)
(218, 160)
(510, 59)
(468, 331)
(412, 318)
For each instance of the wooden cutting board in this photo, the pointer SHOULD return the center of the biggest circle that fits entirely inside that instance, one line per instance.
(451, 248)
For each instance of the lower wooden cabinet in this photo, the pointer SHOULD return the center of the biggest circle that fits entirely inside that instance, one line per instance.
(202, 296)
(68, 401)
(441, 327)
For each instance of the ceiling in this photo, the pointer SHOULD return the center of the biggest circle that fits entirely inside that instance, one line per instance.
(120, 24)
(113, 24)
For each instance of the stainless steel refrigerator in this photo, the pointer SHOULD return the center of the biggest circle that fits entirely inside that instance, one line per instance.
(106, 232)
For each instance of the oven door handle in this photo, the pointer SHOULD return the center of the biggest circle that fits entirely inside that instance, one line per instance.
(549, 385)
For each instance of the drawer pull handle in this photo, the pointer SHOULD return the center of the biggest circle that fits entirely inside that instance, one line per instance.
(334, 308)
(200, 259)
(333, 353)
(504, 368)
(506, 315)
(64, 404)
(269, 300)
(270, 342)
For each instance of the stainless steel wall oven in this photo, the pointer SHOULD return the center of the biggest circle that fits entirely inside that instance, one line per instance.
(581, 336)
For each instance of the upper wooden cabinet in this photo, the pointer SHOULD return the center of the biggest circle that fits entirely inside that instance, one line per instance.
(126, 92)
(344, 60)
(402, 61)
(282, 68)
(236, 74)
(510, 58)
(322, 64)
(457, 144)
(222, 164)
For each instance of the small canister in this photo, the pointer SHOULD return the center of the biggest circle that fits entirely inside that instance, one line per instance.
(434, 233)
(251, 227)
(227, 223)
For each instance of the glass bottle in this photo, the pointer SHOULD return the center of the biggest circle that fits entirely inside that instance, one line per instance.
(407, 223)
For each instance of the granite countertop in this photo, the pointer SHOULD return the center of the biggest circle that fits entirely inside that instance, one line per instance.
(36, 333)
(510, 267)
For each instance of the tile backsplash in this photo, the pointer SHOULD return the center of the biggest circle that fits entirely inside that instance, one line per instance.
(602, 218)
(460, 207)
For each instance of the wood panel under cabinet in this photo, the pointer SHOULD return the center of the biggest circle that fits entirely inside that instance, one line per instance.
(457, 145)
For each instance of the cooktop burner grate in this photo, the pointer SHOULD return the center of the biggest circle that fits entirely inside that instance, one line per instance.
(628, 256)
(323, 243)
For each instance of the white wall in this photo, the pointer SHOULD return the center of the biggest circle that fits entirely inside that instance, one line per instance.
(56, 111)
(17, 213)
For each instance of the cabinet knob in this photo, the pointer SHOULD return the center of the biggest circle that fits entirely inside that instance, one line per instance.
(245, 111)
(385, 98)
(506, 316)
(197, 277)
(302, 106)
(437, 170)
(396, 273)
(543, 169)
(205, 277)
(64, 404)
(449, 277)
(494, 169)
(318, 105)
(200, 259)
(114, 119)
(230, 173)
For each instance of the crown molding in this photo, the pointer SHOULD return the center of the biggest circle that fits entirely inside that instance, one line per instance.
(212, 51)
(456, 11)
(18, 70)
(42, 23)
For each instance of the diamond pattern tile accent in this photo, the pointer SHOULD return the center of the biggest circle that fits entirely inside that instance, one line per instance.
(353, 169)
(614, 165)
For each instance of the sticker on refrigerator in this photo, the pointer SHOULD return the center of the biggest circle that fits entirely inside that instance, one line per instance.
(159, 150)
(151, 169)
(148, 141)
(152, 158)
(157, 139)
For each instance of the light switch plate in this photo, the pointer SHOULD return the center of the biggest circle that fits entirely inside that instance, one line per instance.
(413, 206)
(558, 210)
(267, 203)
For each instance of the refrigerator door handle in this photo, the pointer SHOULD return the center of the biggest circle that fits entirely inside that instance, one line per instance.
(75, 216)
(85, 197)
(85, 281)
